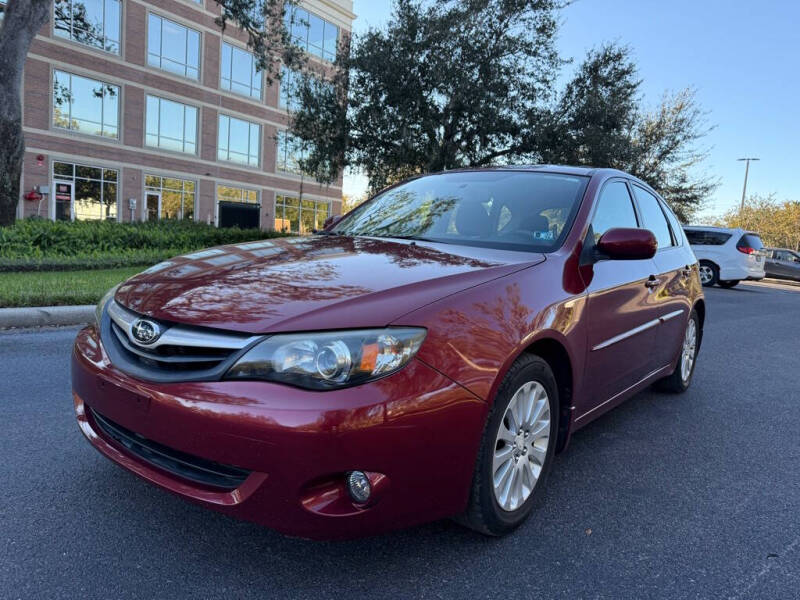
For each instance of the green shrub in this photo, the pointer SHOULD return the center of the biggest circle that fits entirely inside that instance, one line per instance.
(38, 244)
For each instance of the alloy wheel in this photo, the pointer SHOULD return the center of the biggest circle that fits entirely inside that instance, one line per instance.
(521, 446)
(689, 350)
(706, 274)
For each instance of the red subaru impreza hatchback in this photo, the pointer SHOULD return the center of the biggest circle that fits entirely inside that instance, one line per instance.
(423, 357)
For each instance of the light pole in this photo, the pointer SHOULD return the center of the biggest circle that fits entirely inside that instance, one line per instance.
(746, 171)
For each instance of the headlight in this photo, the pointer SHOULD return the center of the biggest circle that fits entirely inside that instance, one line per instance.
(98, 310)
(324, 361)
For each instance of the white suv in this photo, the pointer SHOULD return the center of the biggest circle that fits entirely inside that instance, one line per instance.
(726, 256)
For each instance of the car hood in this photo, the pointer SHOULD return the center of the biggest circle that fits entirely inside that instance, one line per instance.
(311, 283)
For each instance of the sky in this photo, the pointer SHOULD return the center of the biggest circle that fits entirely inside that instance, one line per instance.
(742, 57)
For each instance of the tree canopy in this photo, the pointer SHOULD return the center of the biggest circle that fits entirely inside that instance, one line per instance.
(456, 83)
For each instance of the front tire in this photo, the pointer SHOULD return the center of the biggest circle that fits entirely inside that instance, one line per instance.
(681, 378)
(517, 449)
(709, 273)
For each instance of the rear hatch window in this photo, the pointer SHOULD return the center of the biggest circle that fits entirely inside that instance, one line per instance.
(751, 244)
(750, 240)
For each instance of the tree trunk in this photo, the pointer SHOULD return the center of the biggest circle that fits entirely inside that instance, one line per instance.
(22, 20)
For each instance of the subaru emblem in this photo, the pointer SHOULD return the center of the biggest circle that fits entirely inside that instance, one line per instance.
(145, 332)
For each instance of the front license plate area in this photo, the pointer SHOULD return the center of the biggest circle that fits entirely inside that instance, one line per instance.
(113, 392)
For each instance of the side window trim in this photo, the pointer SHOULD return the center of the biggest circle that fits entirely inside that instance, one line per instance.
(632, 185)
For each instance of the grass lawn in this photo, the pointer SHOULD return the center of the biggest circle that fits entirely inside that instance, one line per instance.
(53, 288)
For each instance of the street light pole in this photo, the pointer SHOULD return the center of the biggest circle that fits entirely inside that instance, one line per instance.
(746, 171)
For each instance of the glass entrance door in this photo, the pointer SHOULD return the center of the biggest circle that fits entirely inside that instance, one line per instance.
(64, 199)
(152, 201)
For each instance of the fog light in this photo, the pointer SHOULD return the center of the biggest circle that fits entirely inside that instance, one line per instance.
(358, 486)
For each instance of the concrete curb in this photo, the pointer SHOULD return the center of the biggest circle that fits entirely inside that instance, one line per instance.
(782, 281)
(45, 316)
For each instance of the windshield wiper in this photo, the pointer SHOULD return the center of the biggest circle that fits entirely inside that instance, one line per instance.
(325, 232)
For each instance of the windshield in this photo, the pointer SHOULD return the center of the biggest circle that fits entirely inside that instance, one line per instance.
(516, 210)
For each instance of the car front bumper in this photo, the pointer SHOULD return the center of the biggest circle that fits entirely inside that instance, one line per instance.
(415, 432)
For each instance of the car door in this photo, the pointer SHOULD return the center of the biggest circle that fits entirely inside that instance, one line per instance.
(621, 311)
(787, 264)
(793, 265)
(672, 291)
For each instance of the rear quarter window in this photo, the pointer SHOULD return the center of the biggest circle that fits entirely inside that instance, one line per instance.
(706, 238)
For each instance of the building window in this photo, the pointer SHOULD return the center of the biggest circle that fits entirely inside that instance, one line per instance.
(85, 105)
(239, 141)
(288, 98)
(296, 216)
(176, 196)
(311, 33)
(238, 207)
(239, 72)
(94, 190)
(290, 152)
(173, 47)
(171, 125)
(95, 23)
(226, 193)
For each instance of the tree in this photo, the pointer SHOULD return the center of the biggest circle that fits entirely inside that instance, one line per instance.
(21, 22)
(778, 223)
(264, 22)
(446, 84)
(351, 202)
(599, 121)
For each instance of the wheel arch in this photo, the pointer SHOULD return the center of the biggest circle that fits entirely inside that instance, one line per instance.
(700, 308)
(555, 354)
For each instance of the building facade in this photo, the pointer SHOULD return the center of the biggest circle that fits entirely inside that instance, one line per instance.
(139, 110)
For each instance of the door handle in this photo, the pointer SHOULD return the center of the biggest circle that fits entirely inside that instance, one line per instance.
(652, 282)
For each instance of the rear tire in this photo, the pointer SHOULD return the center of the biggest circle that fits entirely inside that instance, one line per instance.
(709, 273)
(729, 283)
(681, 378)
(514, 459)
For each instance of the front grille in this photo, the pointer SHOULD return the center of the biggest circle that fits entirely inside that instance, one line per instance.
(186, 466)
(173, 356)
(180, 353)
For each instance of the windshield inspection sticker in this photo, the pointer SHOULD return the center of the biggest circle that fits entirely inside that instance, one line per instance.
(543, 235)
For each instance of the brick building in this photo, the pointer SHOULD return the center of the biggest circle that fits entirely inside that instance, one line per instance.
(141, 110)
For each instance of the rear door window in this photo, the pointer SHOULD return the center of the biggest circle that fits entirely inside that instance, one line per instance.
(653, 217)
(706, 238)
(614, 209)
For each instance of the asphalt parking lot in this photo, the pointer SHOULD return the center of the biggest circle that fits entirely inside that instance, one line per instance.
(693, 496)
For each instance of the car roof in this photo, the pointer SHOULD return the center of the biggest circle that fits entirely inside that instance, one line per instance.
(562, 169)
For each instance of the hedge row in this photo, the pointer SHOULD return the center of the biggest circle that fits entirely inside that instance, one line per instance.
(38, 244)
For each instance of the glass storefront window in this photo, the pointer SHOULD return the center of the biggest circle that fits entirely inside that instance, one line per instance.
(177, 196)
(294, 216)
(94, 191)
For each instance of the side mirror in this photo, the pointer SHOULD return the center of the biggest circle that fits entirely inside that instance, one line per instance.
(331, 221)
(622, 243)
